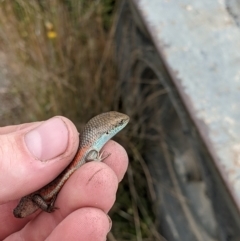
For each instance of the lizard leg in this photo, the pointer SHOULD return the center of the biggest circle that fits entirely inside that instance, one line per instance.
(95, 155)
(47, 207)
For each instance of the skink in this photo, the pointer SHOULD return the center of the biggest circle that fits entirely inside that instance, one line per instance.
(95, 134)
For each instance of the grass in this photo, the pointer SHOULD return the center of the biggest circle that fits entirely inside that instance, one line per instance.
(58, 60)
(54, 61)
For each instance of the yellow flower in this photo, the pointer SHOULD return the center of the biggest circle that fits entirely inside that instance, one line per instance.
(51, 34)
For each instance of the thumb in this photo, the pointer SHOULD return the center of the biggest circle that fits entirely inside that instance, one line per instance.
(32, 155)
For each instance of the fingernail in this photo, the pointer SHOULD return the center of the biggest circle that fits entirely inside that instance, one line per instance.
(48, 140)
(110, 223)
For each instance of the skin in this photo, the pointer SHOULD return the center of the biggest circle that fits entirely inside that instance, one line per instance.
(83, 202)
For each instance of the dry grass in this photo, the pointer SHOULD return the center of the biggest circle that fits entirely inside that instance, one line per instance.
(58, 60)
(54, 54)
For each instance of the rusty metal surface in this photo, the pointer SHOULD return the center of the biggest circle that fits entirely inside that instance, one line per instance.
(200, 44)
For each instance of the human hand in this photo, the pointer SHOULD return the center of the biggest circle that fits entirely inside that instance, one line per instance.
(33, 154)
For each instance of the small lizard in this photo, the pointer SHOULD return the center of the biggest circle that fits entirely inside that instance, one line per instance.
(95, 134)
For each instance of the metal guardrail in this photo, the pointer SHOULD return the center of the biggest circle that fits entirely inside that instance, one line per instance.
(199, 43)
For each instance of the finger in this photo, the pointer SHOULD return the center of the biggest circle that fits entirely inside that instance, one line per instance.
(31, 157)
(84, 224)
(95, 183)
